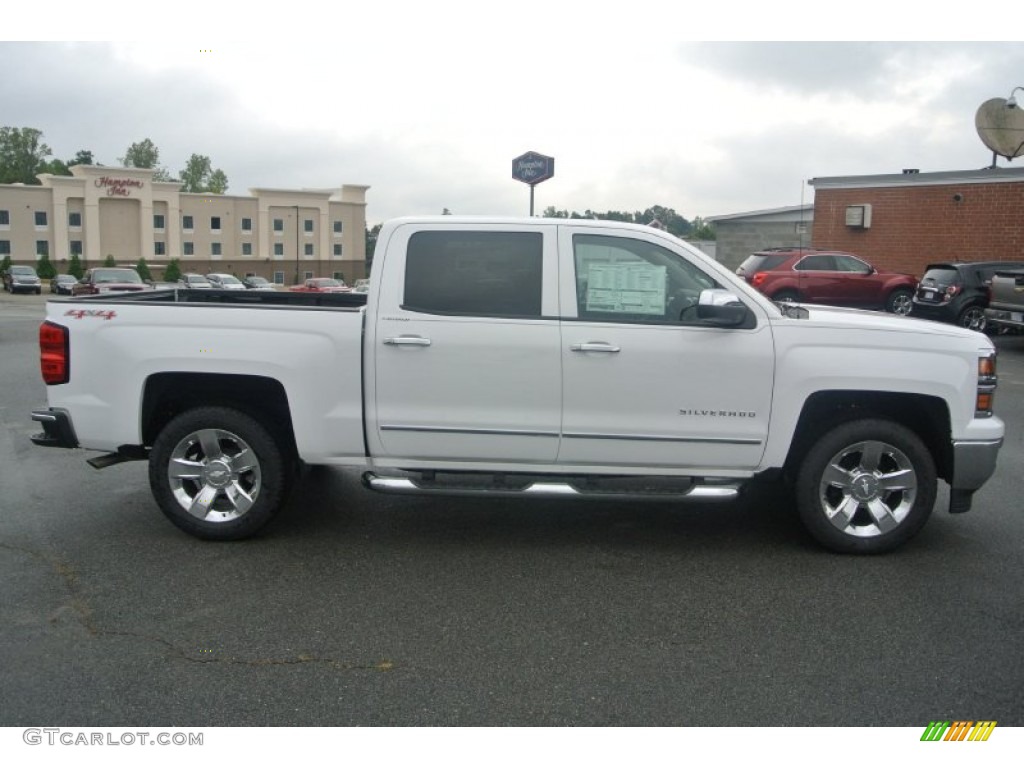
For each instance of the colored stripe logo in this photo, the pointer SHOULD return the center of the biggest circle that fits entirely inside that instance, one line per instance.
(959, 730)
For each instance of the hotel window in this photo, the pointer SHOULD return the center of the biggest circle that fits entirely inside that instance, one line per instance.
(309, 275)
(279, 249)
(188, 248)
(40, 219)
(337, 249)
(339, 276)
(307, 226)
(215, 223)
(247, 249)
(159, 248)
(5, 218)
(337, 227)
(309, 249)
(247, 225)
(5, 247)
(215, 249)
(186, 223)
(279, 278)
(76, 247)
(279, 225)
(158, 222)
(75, 220)
(42, 247)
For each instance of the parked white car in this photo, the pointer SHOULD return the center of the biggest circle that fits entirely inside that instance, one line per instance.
(225, 281)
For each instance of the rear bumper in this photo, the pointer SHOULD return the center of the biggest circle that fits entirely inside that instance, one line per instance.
(58, 431)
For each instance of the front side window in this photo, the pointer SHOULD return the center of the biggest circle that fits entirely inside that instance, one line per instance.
(621, 279)
(40, 218)
(75, 219)
(474, 273)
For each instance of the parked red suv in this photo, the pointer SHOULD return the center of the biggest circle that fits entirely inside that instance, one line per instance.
(827, 277)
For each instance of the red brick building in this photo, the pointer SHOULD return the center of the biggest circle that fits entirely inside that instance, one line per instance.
(904, 221)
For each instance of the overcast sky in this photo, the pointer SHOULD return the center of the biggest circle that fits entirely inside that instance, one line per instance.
(428, 103)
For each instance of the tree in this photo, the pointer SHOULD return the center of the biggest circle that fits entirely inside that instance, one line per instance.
(143, 269)
(5, 264)
(172, 272)
(200, 176)
(702, 230)
(82, 157)
(75, 267)
(371, 243)
(22, 155)
(45, 268)
(109, 261)
(144, 154)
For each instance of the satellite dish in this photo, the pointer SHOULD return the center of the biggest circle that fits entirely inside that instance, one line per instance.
(1000, 125)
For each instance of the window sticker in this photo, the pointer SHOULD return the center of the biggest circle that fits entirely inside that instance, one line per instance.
(632, 288)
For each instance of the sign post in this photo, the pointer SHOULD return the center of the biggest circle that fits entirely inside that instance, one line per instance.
(533, 168)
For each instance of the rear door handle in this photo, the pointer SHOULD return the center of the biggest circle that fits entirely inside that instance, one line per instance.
(407, 341)
(594, 346)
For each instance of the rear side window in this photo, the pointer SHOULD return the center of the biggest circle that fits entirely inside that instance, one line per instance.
(761, 262)
(495, 274)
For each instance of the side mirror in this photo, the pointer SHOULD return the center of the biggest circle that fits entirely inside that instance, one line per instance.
(721, 309)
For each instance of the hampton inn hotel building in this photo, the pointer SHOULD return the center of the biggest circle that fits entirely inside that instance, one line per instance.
(100, 211)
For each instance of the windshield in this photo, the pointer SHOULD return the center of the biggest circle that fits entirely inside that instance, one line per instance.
(23, 271)
(116, 276)
(328, 282)
(228, 280)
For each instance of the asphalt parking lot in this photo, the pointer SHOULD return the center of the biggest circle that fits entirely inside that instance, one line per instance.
(358, 609)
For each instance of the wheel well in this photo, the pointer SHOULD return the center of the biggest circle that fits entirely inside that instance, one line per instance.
(264, 399)
(926, 416)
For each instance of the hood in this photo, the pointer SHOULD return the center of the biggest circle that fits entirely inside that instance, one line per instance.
(866, 319)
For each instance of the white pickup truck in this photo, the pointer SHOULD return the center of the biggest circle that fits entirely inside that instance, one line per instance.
(526, 357)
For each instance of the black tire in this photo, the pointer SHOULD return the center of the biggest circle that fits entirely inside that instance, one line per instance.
(972, 317)
(230, 471)
(900, 302)
(792, 296)
(866, 487)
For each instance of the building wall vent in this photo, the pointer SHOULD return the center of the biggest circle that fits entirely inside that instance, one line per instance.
(858, 216)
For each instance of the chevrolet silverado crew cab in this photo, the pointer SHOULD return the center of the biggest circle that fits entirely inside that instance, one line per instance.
(526, 357)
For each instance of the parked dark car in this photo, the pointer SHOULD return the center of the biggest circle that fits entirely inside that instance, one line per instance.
(108, 280)
(22, 279)
(256, 283)
(958, 292)
(62, 284)
(827, 277)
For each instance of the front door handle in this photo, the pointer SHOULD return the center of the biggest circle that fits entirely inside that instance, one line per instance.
(407, 341)
(594, 346)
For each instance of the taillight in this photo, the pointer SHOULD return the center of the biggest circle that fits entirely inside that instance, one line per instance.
(952, 291)
(758, 278)
(986, 385)
(53, 353)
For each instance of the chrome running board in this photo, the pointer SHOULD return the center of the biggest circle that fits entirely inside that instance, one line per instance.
(546, 489)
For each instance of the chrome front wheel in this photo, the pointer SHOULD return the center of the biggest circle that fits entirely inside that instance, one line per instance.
(866, 486)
